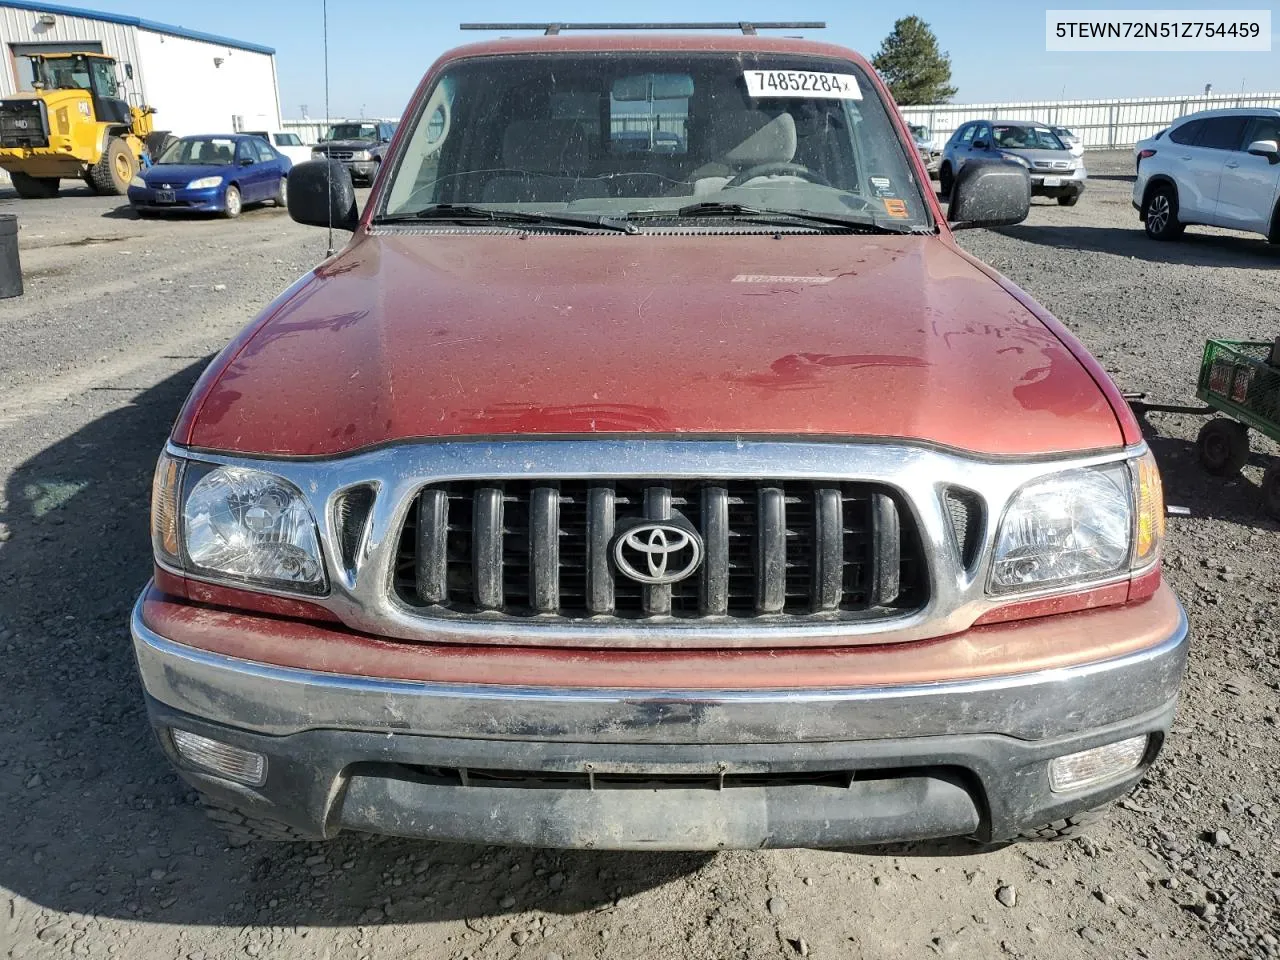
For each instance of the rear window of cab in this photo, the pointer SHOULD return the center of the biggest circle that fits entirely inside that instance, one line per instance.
(613, 134)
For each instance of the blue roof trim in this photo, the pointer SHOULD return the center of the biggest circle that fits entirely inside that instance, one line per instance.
(136, 22)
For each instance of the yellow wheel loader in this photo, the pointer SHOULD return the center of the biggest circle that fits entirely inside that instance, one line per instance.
(74, 123)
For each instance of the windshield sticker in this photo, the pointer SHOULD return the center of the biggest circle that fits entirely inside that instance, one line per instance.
(896, 208)
(883, 186)
(802, 84)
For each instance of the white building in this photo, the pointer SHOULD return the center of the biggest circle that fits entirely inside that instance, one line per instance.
(197, 82)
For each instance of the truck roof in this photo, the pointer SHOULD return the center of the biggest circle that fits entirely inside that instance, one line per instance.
(639, 42)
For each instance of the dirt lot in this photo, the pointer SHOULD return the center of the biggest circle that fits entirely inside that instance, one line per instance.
(103, 852)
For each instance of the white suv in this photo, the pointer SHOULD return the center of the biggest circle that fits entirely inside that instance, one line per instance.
(1220, 168)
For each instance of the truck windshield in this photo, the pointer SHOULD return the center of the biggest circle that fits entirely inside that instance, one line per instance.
(618, 135)
(352, 131)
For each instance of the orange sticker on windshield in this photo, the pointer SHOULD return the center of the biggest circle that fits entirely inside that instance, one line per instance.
(896, 208)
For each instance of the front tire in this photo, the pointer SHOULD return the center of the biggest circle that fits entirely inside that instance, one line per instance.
(231, 203)
(110, 176)
(946, 180)
(1224, 447)
(1070, 201)
(34, 188)
(1161, 215)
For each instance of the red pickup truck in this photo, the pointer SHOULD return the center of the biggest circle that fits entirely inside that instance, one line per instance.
(653, 470)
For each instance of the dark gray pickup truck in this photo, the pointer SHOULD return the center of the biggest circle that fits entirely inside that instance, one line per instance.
(359, 144)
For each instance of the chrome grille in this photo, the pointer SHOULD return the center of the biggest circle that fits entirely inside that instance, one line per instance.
(542, 549)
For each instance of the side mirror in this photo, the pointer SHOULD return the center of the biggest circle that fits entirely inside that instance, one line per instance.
(246, 161)
(979, 144)
(321, 193)
(990, 193)
(1265, 148)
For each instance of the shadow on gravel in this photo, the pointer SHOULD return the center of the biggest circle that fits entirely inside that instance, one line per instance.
(122, 212)
(1187, 484)
(1194, 249)
(126, 212)
(69, 188)
(95, 820)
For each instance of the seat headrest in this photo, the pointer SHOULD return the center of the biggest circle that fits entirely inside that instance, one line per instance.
(748, 138)
(546, 146)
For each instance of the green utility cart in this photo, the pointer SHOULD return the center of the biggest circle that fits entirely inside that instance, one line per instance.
(1239, 379)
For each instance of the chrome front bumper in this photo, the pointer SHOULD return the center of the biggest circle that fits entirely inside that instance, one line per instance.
(945, 759)
(279, 701)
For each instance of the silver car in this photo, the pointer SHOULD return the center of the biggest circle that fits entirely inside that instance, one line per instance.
(924, 143)
(1071, 139)
(1054, 171)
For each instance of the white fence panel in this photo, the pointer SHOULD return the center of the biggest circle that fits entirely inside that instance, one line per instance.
(1101, 124)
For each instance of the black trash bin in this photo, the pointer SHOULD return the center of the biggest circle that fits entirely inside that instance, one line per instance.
(10, 267)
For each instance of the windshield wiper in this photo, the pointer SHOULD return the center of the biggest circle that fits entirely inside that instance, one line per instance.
(763, 214)
(466, 213)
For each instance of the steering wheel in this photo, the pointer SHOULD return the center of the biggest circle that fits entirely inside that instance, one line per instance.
(773, 169)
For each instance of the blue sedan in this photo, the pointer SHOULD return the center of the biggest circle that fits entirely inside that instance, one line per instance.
(211, 174)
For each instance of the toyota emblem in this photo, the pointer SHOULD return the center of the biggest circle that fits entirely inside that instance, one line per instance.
(657, 552)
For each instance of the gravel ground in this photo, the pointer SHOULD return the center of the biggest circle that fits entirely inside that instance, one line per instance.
(104, 853)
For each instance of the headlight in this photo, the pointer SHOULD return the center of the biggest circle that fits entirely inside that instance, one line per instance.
(236, 523)
(204, 182)
(317, 154)
(137, 182)
(1015, 158)
(360, 155)
(1067, 528)
(253, 526)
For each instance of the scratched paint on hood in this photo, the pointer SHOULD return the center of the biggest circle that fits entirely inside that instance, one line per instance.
(418, 336)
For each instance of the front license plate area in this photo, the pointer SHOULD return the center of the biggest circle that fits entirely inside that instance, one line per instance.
(165, 196)
(1053, 181)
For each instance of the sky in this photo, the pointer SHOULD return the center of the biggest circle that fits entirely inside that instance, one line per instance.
(379, 49)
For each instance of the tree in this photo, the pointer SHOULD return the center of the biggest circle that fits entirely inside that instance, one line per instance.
(912, 65)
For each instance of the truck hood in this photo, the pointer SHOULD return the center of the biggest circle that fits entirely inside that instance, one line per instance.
(452, 335)
(328, 145)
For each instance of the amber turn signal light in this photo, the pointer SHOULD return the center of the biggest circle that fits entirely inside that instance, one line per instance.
(1149, 509)
(164, 508)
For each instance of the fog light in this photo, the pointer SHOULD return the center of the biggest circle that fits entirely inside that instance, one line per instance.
(233, 763)
(1088, 767)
